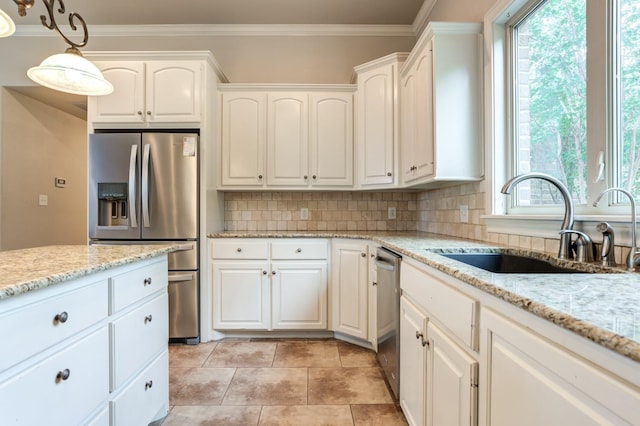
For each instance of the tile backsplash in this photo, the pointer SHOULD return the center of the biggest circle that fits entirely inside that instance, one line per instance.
(327, 211)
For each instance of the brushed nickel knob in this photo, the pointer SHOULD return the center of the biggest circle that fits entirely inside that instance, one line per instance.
(389, 174)
(139, 112)
(299, 250)
(306, 177)
(314, 176)
(363, 255)
(264, 272)
(273, 272)
(63, 375)
(148, 112)
(239, 250)
(259, 176)
(61, 318)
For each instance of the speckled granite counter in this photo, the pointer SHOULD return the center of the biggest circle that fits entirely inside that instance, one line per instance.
(600, 304)
(26, 270)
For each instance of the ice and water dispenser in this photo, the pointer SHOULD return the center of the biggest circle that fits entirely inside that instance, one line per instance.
(112, 204)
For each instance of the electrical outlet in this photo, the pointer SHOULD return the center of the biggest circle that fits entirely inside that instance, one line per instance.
(43, 200)
(464, 213)
(304, 213)
(392, 213)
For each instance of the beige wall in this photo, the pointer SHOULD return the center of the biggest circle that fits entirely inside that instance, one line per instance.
(38, 143)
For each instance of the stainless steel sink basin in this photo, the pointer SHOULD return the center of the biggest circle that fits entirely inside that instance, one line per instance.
(503, 263)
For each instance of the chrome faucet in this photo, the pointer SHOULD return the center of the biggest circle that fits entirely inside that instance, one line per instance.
(633, 259)
(584, 247)
(608, 255)
(565, 250)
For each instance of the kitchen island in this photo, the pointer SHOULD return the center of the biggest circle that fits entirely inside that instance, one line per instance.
(85, 332)
(569, 342)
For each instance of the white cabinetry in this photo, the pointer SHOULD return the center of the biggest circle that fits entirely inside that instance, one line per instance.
(377, 121)
(282, 137)
(531, 380)
(441, 106)
(263, 285)
(438, 359)
(149, 92)
(349, 289)
(85, 345)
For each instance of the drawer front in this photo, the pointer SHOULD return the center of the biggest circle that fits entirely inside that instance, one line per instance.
(454, 310)
(239, 248)
(136, 284)
(137, 337)
(50, 321)
(294, 249)
(146, 398)
(39, 396)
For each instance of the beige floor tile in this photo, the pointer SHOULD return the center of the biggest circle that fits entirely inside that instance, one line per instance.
(308, 415)
(307, 354)
(347, 386)
(378, 415)
(267, 386)
(212, 415)
(355, 356)
(242, 354)
(198, 386)
(189, 355)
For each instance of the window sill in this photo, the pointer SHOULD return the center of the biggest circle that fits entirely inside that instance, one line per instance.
(548, 226)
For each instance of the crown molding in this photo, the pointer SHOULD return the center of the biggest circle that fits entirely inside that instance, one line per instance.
(422, 18)
(228, 30)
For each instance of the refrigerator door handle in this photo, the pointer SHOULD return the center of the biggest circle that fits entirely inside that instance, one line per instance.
(180, 277)
(132, 186)
(145, 186)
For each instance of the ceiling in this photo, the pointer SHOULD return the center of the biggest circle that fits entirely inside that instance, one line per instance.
(155, 12)
(212, 12)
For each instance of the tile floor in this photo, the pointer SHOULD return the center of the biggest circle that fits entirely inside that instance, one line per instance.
(278, 382)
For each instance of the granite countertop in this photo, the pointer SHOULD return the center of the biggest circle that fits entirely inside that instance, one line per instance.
(22, 271)
(601, 304)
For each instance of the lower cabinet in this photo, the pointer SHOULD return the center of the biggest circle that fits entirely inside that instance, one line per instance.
(413, 362)
(269, 285)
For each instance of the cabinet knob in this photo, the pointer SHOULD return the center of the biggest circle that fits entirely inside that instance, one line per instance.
(259, 176)
(148, 385)
(63, 375)
(147, 281)
(148, 318)
(306, 177)
(389, 174)
(299, 250)
(418, 334)
(61, 318)
(264, 272)
(239, 250)
(273, 272)
(314, 177)
(372, 255)
(139, 112)
(363, 254)
(374, 283)
(148, 112)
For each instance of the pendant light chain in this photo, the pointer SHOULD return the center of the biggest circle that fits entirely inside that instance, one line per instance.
(74, 17)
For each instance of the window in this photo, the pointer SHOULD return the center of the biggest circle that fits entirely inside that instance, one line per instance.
(573, 99)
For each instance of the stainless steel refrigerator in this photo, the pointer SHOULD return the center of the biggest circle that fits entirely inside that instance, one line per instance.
(143, 189)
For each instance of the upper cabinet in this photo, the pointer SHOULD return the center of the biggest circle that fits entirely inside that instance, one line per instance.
(377, 124)
(441, 106)
(149, 92)
(279, 137)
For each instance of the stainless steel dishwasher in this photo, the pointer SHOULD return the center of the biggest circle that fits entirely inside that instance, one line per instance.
(388, 311)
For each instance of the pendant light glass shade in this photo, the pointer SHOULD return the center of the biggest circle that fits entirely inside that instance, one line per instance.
(70, 72)
(7, 27)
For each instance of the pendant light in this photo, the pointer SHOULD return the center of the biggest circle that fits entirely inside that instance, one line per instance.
(67, 72)
(7, 27)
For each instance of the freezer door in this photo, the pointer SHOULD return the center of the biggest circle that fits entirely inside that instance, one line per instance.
(183, 304)
(114, 185)
(169, 186)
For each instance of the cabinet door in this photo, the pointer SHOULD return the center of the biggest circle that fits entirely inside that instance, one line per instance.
(531, 381)
(288, 139)
(452, 382)
(407, 127)
(243, 138)
(423, 124)
(413, 362)
(349, 289)
(331, 139)
(372, 290)
(241, 298)
(375, 126)
(174, 91)
(126, 103)
(299, 295)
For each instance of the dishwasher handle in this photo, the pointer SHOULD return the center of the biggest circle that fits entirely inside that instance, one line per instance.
(382, 264)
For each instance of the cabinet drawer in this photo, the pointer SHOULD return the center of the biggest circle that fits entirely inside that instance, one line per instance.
(137, 284)
(146, 398)
(137, 337)
(454, 310)
(46, 323)
(237, 248)
(299, 249)
(38, 397)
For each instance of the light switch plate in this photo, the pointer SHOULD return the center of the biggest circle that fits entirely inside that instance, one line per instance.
(43, 200)
(464, 213)
(391, 213)
(304, 213)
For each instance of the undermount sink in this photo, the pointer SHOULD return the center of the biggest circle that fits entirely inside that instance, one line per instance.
(503, 263)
